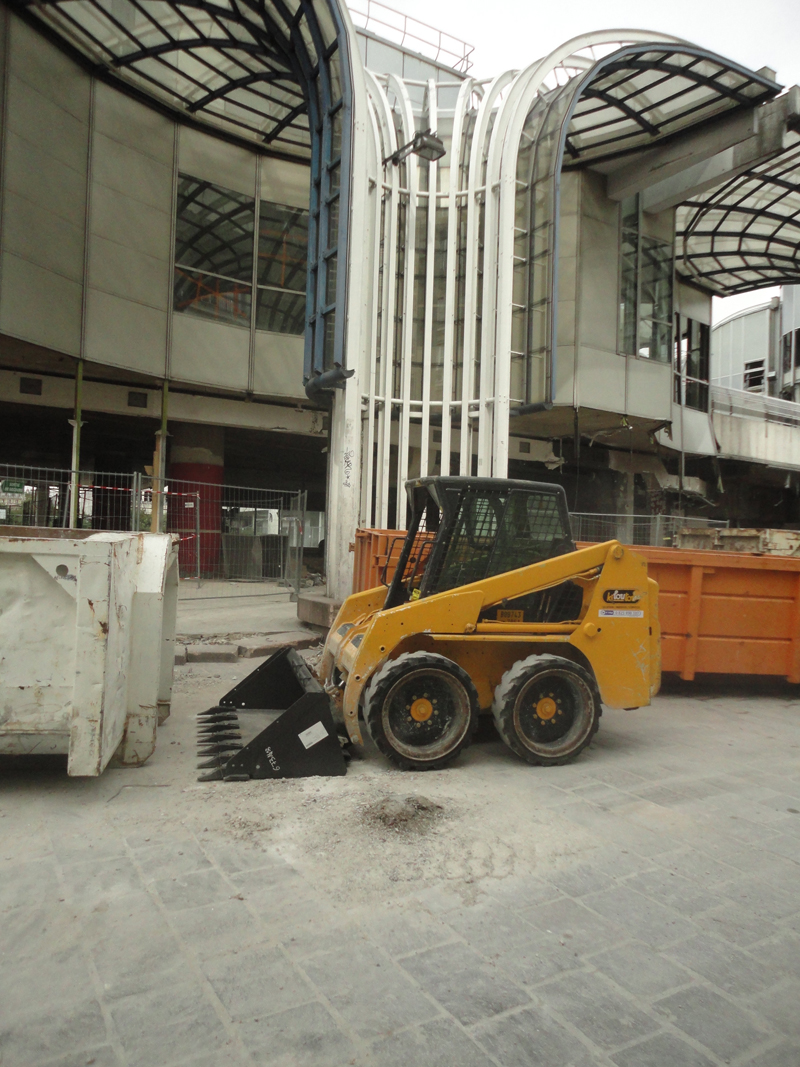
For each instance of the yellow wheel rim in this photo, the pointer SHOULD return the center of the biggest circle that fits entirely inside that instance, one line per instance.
(545, 709)
(421, 710)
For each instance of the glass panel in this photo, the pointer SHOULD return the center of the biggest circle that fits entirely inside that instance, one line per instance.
(213, 298)
(280, 312)
(797, 348)
(629, 269)
(786, 346)
(335, 179)
(214, 229)
(282, 246)
(336, 134)
(334, 72)
(330, 280)
(333, 223)
(328, 342)
(655, 300)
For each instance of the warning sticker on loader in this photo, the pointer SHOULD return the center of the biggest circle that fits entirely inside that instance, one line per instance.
(313, 734)
(620, 613)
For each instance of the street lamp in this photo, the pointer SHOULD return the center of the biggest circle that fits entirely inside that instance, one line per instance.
(426, 145)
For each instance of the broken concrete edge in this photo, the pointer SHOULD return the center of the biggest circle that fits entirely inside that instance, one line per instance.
(317, 610)
(249, 649)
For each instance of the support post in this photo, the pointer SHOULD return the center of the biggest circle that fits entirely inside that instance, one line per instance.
(76, 423)
(160, 461)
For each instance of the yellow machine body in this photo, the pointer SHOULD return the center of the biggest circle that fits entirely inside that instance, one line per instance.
(616, 634)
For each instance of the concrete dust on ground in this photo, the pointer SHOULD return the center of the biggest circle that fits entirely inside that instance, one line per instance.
(480, 819)
(638, 906)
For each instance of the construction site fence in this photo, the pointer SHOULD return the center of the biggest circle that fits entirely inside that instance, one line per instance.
(660, 531)
(227, 532)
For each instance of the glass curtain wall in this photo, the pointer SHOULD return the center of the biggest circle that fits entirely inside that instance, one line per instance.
(214, 234)
(216, 244)
(645, 291)
(692, 361)
(282, 268)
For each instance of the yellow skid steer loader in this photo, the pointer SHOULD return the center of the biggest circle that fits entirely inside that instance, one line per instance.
(491, 609)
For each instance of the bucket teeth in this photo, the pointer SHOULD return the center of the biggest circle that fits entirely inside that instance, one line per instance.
(218, 750)
(212, 776)
(218, 738)
(215, 761)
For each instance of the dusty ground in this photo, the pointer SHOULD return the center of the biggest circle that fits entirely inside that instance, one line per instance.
(638, 908)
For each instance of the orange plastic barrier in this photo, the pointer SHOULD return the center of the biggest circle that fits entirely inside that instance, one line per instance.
(720, 612)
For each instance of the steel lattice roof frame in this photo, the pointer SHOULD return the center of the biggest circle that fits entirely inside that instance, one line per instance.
(732, 213)
(259, 45)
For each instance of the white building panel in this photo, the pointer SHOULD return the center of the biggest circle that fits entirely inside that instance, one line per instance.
(40, 306)
(278, 369)
(216, 161)
(209, 352)
(122, 333)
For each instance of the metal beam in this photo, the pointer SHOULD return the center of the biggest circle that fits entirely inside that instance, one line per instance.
(675, 172)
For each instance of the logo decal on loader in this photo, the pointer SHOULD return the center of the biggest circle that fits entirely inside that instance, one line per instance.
(622, 596)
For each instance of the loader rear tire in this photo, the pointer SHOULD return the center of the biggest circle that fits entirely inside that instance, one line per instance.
(547, 709)
(421, 710)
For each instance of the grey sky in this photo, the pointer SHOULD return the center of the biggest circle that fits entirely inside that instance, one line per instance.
(507, 34)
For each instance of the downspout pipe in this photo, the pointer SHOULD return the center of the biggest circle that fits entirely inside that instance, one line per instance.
(320, 386)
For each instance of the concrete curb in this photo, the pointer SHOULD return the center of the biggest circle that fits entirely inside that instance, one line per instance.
(248, 648)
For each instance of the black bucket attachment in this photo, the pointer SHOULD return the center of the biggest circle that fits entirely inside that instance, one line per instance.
(301, 742)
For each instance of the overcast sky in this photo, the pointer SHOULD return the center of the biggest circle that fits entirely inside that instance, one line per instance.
(508, 34)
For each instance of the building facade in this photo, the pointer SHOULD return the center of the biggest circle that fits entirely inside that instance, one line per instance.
(207, 213)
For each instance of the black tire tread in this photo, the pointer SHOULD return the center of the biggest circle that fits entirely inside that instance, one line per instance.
(503, 705)
(385, 677)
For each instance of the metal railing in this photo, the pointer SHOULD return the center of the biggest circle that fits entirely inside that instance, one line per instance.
(410, 33)
(748, 405)
(226, 531)
(657, 530)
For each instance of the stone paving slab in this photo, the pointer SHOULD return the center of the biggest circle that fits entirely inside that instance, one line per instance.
(135, 932)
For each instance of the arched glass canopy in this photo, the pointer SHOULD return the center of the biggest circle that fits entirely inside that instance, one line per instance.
(745, 234)
(629, 100)
(274, 75)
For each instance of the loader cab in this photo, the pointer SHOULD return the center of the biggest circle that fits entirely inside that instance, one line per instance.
(462, 530)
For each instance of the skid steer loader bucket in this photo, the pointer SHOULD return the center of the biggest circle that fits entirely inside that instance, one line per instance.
(303, 740)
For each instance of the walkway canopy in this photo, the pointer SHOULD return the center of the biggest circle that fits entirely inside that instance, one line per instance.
(745, 234)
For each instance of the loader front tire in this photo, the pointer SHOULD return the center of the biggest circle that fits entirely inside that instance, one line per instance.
(547, 709)
(421, 710)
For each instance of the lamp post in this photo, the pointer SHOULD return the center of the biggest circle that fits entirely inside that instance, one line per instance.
(426, 145)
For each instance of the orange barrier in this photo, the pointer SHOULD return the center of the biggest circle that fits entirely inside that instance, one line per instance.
(726, 612)
(720, 612)
(376, 549)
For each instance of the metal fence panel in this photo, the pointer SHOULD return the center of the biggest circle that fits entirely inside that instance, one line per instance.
(226, 531)
(657, 530)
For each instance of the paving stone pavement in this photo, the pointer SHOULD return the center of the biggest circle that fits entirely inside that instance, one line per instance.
(673, 942)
